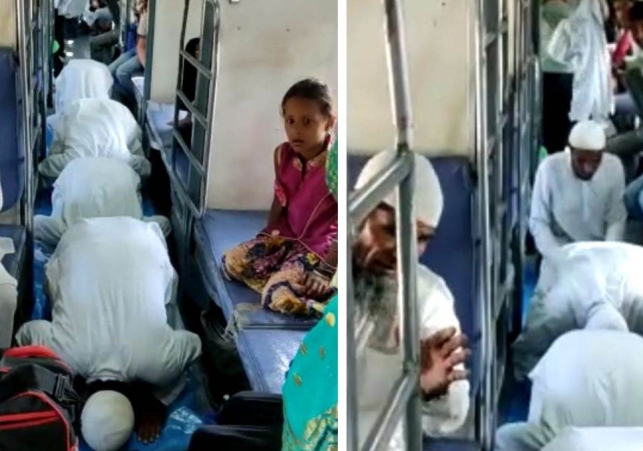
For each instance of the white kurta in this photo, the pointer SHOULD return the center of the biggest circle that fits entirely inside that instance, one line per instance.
(378, 371)
(8, 295)
(95, 128)
(70, 8)
(82, 79)
(587, 285)
(8, 292)
(580, 41)
(566, 209)
(92, 187)
(586, 379)
(597, 439)
(113, 290)
(551, 13)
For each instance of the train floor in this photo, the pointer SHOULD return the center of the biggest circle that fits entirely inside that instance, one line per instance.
(514, 399)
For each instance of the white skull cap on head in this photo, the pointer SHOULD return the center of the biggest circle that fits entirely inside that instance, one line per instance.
(107, 421)
(588, 135)
(428, 199)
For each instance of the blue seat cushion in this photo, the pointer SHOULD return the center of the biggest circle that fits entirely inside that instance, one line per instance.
(217, 232)
(13, 262)
(158, 116)
(451, 253)
(266, 356)
(431, 444)
(12, 157)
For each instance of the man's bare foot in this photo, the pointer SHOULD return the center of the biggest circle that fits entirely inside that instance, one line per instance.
(151, 420)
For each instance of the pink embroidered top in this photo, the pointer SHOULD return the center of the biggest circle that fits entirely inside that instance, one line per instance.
(311, 210)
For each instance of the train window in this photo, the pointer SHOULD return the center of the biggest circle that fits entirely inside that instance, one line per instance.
(196, 88)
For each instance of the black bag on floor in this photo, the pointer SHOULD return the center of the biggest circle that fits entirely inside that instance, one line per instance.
(250, 408)
(248, 421)
(38, 405)
(221, 361)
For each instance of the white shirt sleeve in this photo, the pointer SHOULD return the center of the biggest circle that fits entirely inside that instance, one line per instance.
(617, 214)
(57, 145)
(539, 218)
(560, 45)
(447, 414)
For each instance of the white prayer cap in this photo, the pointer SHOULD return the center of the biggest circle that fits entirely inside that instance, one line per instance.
(107, 421)
(587, 135)
(428, 199)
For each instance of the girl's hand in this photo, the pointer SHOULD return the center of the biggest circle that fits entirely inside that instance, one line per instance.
(315, 285)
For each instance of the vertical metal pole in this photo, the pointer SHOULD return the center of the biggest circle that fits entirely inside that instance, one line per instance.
(399, 72)
(212, 92)
(408, 259)
(352, 403)
(405, 217)
(483, 212)
(44, 55)
(23, 29)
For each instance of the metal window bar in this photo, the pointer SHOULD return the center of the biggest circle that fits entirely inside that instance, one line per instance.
(36, 89)
(43, 73)
(484, 143)
(404, 399)
(126, 8)
(29, 92)
(193, 190)
(47, 48)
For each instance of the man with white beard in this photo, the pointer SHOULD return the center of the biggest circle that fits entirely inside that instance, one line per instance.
(443, 378)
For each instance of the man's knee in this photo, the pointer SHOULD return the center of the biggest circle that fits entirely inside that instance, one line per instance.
(122, 74)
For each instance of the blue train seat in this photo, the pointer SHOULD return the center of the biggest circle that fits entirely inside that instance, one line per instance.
(160, 133)
(215, 233)
(266, 356)
(450, 445)
(12, 164)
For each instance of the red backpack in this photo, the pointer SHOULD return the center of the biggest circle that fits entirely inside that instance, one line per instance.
(38, 404)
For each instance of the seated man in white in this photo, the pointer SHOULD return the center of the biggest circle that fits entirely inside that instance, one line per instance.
(578, 194)
(586, 285)
(116, 323)
(8, 292)
(597, 439)
(92, 187)
(446, 404)
(95, 128)
(588, 378)
(82, 79)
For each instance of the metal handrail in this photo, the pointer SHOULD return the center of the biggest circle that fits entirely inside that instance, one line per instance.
(405, 396)
(482, 151)
(24, 32)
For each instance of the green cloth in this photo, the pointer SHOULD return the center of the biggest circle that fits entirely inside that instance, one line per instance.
(55, 47)
(310, 389)
(331, 170)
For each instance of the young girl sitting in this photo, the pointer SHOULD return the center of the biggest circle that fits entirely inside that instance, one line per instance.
(292, 261)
